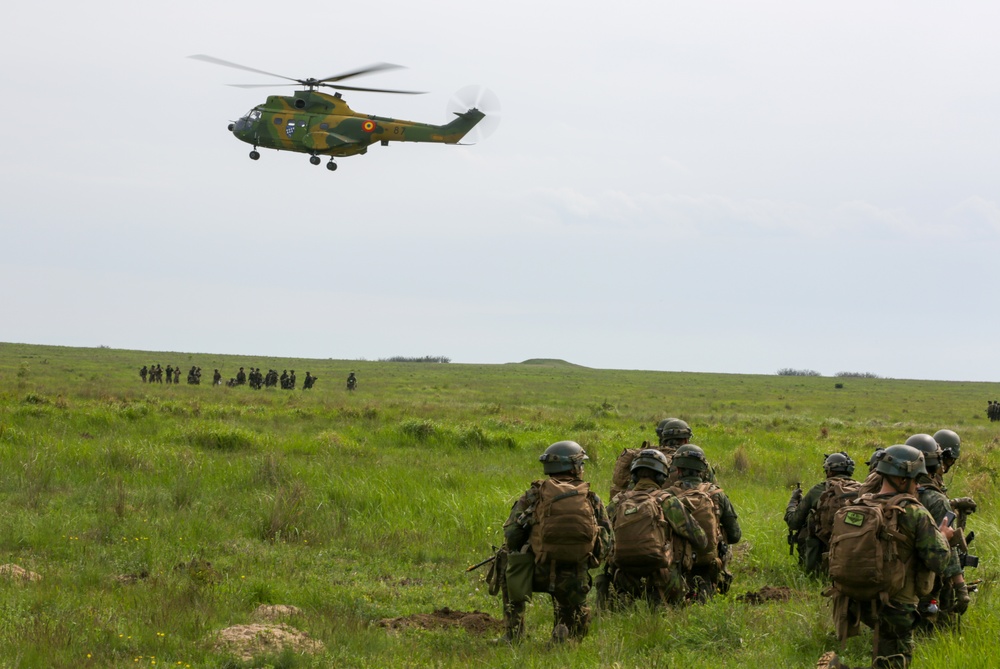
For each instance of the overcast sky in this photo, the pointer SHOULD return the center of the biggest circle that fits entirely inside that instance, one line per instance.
(699, 186)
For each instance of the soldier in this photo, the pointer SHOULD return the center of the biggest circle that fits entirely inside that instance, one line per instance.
(555, 533)
(177, 374)
(170, 374)
(241, 377)
(718, 519)
(811, 517)
(647, 521)
(950, 594)
(291, 379)
(951, 446)
(310, 380)
(352, 381)
(918, 548)
(143, 372)
(671, 433)
(873, 482)
(217, 378)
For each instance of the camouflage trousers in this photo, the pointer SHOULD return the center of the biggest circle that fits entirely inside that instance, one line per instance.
(569, 585)
(657, 586)
(893, 642)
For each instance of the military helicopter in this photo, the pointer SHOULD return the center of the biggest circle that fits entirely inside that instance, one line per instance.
(324, 125)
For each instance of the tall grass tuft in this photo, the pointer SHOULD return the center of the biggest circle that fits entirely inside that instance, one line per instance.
(284, 514)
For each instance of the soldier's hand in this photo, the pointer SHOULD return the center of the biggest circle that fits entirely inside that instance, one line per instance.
(964, 504)
(796, 496)
(962, 598)
(947, 530)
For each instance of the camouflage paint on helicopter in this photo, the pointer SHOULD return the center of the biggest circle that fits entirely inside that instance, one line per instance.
(321, 124)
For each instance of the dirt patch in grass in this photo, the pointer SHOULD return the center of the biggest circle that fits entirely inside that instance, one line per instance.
(781, 593)
(275, 611)
(248, 641)
(17, 573)
(474, 622)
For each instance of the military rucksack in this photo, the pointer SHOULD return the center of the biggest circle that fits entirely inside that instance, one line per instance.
(700, 504)
(839, 493)
(621, 476)
(864, 556)
(643, 539)
(564, 527)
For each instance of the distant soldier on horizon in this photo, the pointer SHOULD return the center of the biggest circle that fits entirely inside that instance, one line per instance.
(170, 374)
(143, 372)
(352, 381)
(217, 378)
(241, 377)
(310, 380)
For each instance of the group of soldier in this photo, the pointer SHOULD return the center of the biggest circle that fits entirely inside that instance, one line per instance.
(286, 380)
(664, 537)
(155, 374)
(893, 547)
(993, 411)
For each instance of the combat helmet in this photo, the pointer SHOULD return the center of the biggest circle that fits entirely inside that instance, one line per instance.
(950, 443)
(650, 458)
(674, 428)
(660, 426)
(838, 463)
(562, 456)
(872, 462)
(926, 444)
(689, 456)
(901, 460)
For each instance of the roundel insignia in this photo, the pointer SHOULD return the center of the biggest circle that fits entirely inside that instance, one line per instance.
(368, 126)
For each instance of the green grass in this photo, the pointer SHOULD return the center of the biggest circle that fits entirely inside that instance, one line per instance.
(368, 505)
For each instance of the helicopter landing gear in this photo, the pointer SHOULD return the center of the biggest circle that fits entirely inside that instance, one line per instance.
(332, 166)
(314, 160)
(254, 155)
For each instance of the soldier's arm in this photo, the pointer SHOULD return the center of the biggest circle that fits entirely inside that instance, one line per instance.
(605, 536)
(796, 518)
(683, 524)
(929, 544)
(517, 528)
(729, 520)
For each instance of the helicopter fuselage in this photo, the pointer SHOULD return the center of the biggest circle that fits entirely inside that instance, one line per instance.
(321, 124)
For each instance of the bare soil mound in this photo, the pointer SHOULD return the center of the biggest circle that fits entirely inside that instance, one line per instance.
(475, 622)
(766, 594)
(17, 573)
(247, 641)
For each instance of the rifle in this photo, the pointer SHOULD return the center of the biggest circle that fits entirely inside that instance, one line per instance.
(484, 562)
(791, 532)
(964, 506)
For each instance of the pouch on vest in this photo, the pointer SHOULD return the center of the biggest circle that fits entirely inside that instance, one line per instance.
(519, 575)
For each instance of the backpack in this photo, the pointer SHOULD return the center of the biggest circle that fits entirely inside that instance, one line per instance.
(699, 504)
(622, 474)
(864, 551)
(838, 494)
(564, 525)
(643, 539)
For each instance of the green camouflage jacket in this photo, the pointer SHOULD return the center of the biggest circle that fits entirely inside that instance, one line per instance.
(936, 502)
(517, 528)
(797, 516)
(674, 513)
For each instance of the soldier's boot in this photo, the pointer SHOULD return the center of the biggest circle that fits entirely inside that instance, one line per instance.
(897, 661)
(513, 618)
(829, 660)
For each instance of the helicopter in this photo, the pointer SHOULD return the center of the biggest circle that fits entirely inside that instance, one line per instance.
(320, 124)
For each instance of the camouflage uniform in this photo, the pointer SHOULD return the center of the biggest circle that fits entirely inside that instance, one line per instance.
(936, 502)
(717, 577)
(668, 584)
(798, 517)
(568, 583)
(893, 644)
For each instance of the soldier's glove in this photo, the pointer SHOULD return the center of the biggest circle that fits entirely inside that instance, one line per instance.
(796, 497)
(964, 504)
(961, 598)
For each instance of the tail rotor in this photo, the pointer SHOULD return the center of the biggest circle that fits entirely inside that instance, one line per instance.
(483, 99)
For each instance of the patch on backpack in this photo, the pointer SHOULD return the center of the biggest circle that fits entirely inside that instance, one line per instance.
(854, 518)
(629, 512)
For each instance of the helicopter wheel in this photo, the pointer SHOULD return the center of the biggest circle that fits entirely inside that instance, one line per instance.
(332, 166)
(254, 155)
(314, 160)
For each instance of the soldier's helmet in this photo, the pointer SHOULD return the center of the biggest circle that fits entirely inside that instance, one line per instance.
(926, 444)
(838, 463)
(562, 456)
(901, 460)
(651, 458)
(873, 460)
(689, 456)
(950, 443)
(675, 428)
(660, 425)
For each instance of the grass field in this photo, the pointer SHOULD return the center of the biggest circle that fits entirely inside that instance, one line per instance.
(159, 515)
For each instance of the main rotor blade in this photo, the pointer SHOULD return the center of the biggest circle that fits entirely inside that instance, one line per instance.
(226, 63)
(340, 87)
(376, 67)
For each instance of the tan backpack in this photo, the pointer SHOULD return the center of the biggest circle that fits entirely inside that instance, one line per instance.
(700, 504)
(643, 539)
(564, 527)
(622, 474)
(839, 493)
(865, 564)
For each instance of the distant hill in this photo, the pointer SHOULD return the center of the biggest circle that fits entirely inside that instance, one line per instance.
(550, 362)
